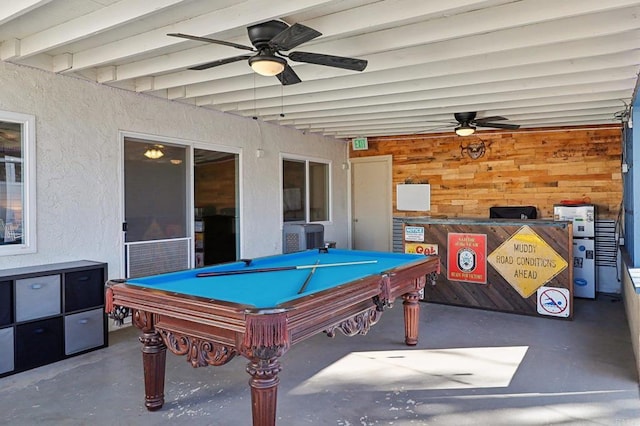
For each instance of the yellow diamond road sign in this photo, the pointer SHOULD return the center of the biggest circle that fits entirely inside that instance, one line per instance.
(526, 261)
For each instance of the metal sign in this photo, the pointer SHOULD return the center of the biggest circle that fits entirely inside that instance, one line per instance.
(421, 248)
(554, 301)
(526, 261)
(467, 257)
(414, 233)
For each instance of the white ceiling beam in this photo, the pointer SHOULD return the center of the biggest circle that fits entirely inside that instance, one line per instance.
(62, 62)
(426, 125)
(479, 69)
(11, 10)
(9, 49)
(417, 131)
(444, 116)
(608, 114)
(492, 93)
(573, 51)
(502, 108)
(421, 33)
(467, 80)
(456, 104)
(532, 61)
(575, 29)
(378, 14)
(219, 20)
(106, 18)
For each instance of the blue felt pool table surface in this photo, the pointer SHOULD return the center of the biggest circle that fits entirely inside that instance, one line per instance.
(270, 289)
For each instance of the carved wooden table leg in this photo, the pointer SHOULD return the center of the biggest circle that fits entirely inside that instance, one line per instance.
(264, 390)
(411, 306)
(154, 355)
(266, 340)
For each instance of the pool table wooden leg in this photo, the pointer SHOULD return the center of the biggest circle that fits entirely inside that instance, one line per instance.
(411, 306)
(264, 389)
(154, 355)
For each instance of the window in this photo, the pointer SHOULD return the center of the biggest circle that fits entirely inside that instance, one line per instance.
(17, 183)
(305, 190)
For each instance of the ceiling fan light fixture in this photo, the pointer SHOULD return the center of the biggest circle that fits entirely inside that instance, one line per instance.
(267, 65)
(465, 130)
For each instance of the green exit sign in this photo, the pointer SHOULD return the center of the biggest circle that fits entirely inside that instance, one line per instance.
(360, 144)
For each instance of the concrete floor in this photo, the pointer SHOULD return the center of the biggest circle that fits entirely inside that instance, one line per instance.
(471, 367)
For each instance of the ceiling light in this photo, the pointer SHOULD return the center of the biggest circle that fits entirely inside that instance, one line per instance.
(465, 130)
(267, 65)
(153, 153)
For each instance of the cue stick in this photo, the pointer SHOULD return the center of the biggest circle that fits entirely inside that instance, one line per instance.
(279, 268)
(306, 282)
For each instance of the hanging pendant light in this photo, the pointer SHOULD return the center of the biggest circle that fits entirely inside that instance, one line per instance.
(154, 153)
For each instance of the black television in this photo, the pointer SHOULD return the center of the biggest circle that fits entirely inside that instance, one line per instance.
(513, 212)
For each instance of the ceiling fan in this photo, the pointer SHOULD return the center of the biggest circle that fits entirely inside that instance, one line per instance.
(269, 39)
(466, 123)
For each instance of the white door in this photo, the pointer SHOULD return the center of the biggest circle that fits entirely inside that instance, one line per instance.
(372, 224)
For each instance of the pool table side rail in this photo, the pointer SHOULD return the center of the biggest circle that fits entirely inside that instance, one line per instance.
(215, 320)
(326, 309)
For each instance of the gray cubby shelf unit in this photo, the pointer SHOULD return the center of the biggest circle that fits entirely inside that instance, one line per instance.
(51, 312)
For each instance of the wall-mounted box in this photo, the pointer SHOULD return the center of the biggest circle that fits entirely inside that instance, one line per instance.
(413, 197)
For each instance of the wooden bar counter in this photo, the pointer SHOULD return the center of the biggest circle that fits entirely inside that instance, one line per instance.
(508, 265)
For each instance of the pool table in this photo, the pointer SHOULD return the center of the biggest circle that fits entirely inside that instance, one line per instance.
(258, 308)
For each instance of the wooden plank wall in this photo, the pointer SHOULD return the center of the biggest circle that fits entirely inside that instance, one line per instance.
(215, 184)
(524, 167)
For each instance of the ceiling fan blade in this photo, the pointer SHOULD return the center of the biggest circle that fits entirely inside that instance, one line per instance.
(487, 119)
(431, 129)
(329, 60)
(210, 40)
(288, 76)
(293, 36)
(442, 122)
(500, 125)
(219, 62)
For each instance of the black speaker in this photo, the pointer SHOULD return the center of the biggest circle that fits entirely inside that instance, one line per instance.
(513, 212)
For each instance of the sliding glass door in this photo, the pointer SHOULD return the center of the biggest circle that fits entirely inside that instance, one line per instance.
(216, 207)
(181, 206)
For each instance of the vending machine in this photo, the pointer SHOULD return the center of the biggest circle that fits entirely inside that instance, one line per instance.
(583, 217)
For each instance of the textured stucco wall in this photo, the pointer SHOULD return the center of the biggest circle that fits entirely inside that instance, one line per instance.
(79, 170)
